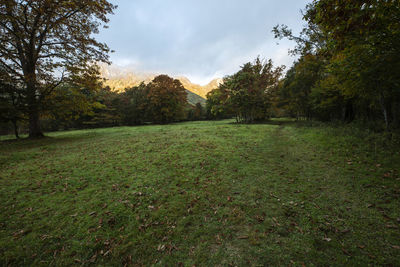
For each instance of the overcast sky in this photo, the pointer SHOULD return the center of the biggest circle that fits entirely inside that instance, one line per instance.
(199, 39)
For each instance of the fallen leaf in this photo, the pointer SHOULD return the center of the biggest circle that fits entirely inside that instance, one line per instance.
(93, 258)
(327, 239)
(108, 252)
(275, 221)
(346, 252)
(44, 237)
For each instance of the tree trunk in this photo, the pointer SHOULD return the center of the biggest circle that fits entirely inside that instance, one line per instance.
(394, 113)
(14, 122)
(384, 111)
(344, 113)
(349, 115)
(34, 125)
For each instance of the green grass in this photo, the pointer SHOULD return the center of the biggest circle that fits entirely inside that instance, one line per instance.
(201, 193)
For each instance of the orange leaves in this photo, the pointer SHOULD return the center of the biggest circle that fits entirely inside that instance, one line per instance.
(167, 99)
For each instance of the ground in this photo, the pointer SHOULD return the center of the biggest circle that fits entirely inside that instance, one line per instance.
(201, 193)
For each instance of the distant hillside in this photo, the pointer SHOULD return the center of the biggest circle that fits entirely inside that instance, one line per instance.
(118, 79)
(193, 98)
(198, 89)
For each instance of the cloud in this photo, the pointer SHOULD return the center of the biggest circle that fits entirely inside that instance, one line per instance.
(199, 39)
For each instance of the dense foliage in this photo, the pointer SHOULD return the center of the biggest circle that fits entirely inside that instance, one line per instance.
(166, 99)
(163, 100)
(247, 93)
(349, 63)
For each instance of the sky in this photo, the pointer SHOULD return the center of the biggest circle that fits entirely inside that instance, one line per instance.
(199, 39)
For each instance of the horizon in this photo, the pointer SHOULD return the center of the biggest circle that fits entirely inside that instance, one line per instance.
(126, 71)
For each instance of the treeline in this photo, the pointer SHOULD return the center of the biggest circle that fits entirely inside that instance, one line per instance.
(163, 100)
(348, 69)
(349, 65)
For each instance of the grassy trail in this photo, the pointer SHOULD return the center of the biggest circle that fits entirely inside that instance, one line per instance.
(203, 193)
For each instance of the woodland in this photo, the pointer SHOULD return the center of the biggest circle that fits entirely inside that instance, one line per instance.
(347, 71)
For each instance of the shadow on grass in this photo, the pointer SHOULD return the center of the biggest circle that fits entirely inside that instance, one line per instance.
(29, 143)
(276, 122)
(20, 150)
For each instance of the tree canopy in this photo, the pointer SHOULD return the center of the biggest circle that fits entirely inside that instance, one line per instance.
(349, 62)
(247, 93)
(45, 43)
(166, 98)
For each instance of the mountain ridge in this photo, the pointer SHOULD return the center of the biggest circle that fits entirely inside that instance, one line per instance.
(119, 78)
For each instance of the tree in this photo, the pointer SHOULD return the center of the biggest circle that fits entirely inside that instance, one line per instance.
(167, 99)
(45, 43)
(198, 111)
(216, 106)
(247, 94)
(68, 105)
(133, 105)
(108, 114)
(249, 90)
(298, 84)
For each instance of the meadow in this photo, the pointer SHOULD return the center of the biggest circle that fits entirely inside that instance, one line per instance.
(203, 194)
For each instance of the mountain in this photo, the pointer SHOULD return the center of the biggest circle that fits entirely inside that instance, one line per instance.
(193, 98)
(119, 78)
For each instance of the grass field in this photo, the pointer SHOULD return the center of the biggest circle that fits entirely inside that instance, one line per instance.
(201, 193)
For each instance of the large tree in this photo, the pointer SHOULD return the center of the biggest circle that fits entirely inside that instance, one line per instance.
(167, 99)
(45, 43)
(249, 90)
(247, 94)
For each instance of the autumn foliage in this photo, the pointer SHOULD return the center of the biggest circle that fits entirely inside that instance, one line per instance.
(166, 98)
